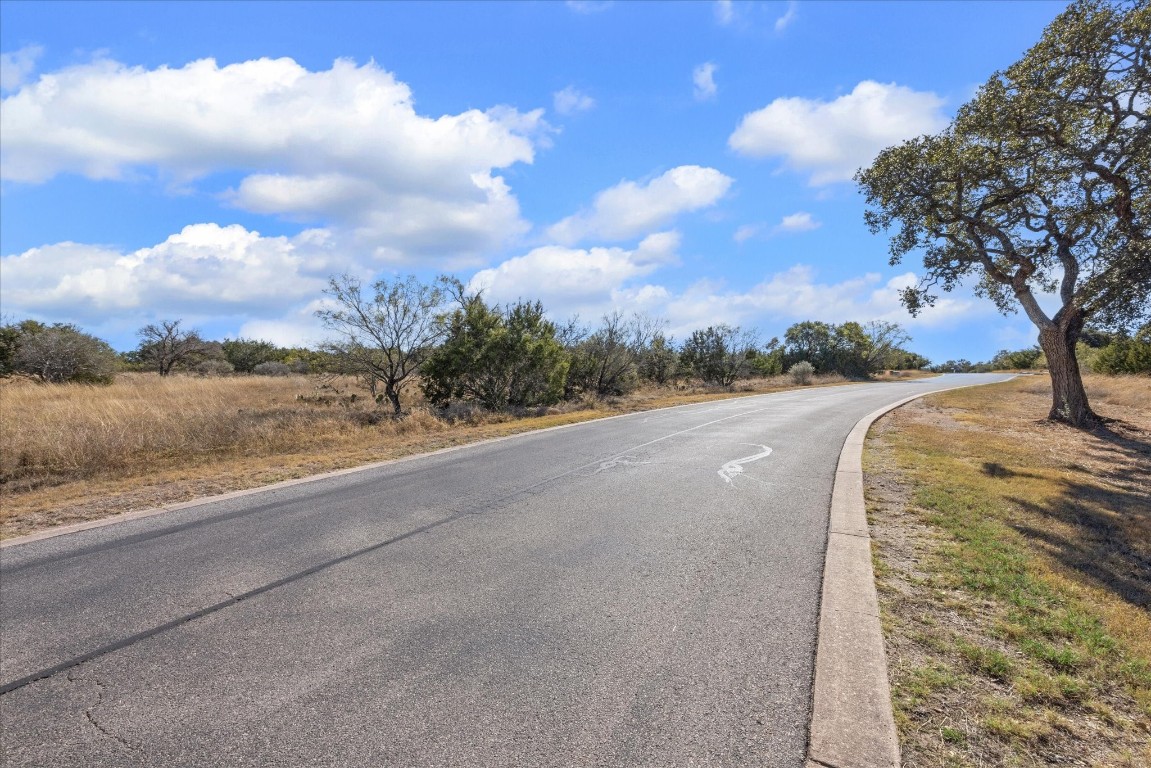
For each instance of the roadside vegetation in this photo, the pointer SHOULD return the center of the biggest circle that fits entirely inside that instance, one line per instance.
(409, 367)
(1013, 562)
(74, 452)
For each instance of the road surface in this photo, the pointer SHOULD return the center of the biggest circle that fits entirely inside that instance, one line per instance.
(642, 590)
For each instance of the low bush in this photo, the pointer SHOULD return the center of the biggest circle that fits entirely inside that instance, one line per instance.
(801, 372)
(272, 369)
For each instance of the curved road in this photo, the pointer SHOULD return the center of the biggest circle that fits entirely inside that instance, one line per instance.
(642, 590)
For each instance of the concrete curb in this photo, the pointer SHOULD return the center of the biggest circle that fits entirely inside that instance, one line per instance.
(852, 725)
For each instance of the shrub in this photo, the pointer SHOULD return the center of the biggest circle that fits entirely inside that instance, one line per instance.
(62, 353)
(801, 372)
(272, 369)
(214, 367)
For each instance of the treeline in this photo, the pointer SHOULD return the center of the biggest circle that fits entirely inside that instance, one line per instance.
(1111, 353)
(62, 352)
(460, 347)
(468, 350)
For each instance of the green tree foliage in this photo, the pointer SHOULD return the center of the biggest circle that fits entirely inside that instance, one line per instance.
(246, 354)
(10, 335)
(1125, 354)
(1020, 359)
(885, 342)
(58, 353)
(958, 366)
(497, 357)
(719, 354)
(902, 360)
(767, 361)
(850, 349)
(659, 361)
(387, 335)
(607, 361)
(1041, 184)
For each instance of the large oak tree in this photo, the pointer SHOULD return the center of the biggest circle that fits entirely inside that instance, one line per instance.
(1039, 186)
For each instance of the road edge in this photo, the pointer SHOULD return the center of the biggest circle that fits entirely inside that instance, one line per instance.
(63, 530)
(852, 722)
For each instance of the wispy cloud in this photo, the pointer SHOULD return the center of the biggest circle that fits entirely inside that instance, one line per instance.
(571, 100)
(796, 222)
(784, 21)
(746, 232)
(588, 6)
(703, 78)
(724, 12)
(15, 67)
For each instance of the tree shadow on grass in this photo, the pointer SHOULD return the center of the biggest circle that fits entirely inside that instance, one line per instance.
(1110, 521)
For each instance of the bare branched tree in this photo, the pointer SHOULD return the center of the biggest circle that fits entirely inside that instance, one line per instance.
(165, 345)
(387, 335)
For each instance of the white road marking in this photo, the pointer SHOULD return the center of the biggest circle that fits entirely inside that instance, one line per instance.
(735, 466)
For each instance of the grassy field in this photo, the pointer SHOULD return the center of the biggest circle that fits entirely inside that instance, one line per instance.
(1013, 559)
(72, 452)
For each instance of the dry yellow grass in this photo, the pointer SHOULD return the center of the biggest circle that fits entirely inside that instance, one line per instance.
(72, 452)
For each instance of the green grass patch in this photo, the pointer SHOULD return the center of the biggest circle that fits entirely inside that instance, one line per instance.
(1008, 614)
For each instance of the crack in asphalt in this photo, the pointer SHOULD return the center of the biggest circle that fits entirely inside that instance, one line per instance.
(91, 718)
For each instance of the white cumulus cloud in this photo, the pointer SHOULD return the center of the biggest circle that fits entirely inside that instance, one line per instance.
(204, 270)
(342, 147)
(831, 139)
(703, 78)
(795, 294)
(629, 208)
(571, 100)
(586, 281)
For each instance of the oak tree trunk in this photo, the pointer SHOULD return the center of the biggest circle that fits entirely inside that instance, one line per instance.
(1068, 398)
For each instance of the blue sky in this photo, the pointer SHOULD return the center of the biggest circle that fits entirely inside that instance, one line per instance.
(216, 162)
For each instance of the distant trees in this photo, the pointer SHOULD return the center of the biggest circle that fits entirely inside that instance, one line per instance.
(607, 362)
(1117, 352)
(1042, 184)
(165, 345)
(719, 354)
(246, 354)
(498, 357)
(850, 349)
(1020, 359)
(387, 334)
(885, 342)
(659, 360)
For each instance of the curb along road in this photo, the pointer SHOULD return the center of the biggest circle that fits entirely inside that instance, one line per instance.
(852, 725)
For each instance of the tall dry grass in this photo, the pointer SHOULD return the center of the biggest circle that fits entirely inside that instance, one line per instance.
(51, 434)
(54, 433)
(70, 453)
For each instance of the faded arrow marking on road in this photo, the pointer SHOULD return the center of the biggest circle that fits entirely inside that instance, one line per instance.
(735, 466)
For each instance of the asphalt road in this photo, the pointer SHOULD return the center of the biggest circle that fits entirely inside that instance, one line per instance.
(642, 590)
